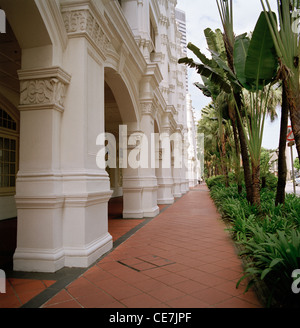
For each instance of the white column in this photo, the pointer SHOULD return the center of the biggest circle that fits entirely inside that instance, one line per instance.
(184, 170)
(147, 175)
(132, 189)
(139, 180)
(164, 171)
(86, 187)
(39, 191)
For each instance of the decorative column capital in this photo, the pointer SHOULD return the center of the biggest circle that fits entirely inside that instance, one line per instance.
(148, 108)
(43, 88)
(85, 20)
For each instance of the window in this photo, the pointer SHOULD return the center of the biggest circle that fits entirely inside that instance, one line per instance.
(8, 153)
(6, 121)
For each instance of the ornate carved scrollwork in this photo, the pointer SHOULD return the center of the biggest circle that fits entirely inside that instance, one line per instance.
(82, 21)
(43, 88)
(43, 92)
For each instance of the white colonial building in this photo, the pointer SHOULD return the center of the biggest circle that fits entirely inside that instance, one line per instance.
(70, 71)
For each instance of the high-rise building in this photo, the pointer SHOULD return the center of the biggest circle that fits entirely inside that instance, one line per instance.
(181, 21)
(193, 172)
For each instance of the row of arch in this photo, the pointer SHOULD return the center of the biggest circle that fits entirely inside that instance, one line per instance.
(37, 42)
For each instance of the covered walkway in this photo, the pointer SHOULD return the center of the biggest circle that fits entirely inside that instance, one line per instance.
(183, 258)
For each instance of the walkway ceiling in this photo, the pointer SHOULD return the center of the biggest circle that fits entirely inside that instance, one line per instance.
(10, 60)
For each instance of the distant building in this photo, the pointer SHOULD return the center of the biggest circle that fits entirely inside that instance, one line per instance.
(193, 164)
(181, 20)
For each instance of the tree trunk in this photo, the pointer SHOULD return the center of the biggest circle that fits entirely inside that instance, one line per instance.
(223, 161)
(225, 169)
(238, 153)
(244, 153)
(256, 184)
(282, 169)
(295, 119)
(243, 142)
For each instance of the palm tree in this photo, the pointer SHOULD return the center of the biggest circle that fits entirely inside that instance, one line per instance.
(287, 44)
(256, 68)
(208, 125)
(216, 45)
(226, 14)
(217, 138)
(218, 80)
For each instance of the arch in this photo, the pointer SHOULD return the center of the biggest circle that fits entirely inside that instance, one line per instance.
(39, 29)
(26, 22)
(156, 126)
(127, 104)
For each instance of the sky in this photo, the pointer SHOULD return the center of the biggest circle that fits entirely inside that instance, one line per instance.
(201, 14)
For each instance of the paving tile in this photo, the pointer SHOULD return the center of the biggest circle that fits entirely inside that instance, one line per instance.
(211, 268)
(188, 302)
(49, 283)
(229, 287)
(61, 297)
(107, 283)
(131, 276)
(142, 266)
(20, 291)
(95, 300)
(96, 274)
(149, 284)
(211, 296)
(166, 293)
(82, 287)
(176, 267)
(141, 301)
(9, 301)
(229, 274)
(235, 303)
(210, 280)
(26, 296)
(190, 273)
(110, 265)
(24, 285)
(120, 290)
(72, 304)
(190, 286)
(171, 278)
(250, 297)
(154, 273)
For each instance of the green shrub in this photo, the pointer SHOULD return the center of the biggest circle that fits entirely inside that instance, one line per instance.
(270, 235)
(271, 182)
(274, 257)
(291, 209)
(215, 181)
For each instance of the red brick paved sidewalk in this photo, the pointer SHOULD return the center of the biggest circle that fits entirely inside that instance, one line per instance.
(183, 258)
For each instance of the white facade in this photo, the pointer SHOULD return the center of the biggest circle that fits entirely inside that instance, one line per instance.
(75, 70)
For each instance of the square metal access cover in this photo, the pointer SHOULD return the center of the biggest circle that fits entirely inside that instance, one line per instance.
(146, 262)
